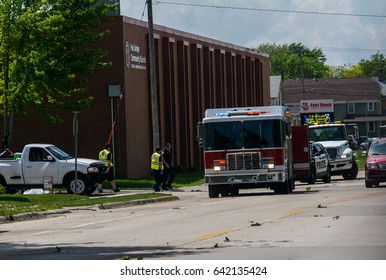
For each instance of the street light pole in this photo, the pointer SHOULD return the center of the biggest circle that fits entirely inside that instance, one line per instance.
(75, 132)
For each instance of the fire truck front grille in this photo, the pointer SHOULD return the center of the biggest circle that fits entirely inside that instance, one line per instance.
(243, 161)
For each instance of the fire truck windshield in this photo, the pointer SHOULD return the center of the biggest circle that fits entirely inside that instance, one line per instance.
(327, 133)
(246, 134)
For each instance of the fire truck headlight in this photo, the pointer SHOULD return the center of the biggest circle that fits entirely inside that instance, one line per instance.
(219, 165)
(268, 163)
(218, 168)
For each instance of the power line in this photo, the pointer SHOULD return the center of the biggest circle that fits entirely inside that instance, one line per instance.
(269, 10)
(337, 49)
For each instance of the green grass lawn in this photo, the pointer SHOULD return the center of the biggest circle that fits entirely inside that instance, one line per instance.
(20, 203)
(361, 159)
(182, 179)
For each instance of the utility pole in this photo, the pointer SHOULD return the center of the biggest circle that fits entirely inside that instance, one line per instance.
(300, 53)
(153, 76)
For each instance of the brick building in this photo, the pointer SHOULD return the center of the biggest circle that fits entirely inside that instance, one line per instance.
(193, 73)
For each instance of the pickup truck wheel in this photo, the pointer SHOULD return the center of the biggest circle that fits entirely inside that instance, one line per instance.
(352, 173)
(81, 187)
(312, 178)
(327, 178)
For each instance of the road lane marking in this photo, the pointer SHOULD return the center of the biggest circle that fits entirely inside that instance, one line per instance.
(212, 234)
(292, 213)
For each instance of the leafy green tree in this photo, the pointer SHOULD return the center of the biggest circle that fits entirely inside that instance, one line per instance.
(372, 66)
(47, 50)
(345, 71)
(286, 60)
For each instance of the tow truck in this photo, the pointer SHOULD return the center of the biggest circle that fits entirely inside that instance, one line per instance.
(333, 137)
(250, 147)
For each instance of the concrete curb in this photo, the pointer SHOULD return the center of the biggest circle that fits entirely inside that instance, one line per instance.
(32, 215)
(43, 214)
(136, 202)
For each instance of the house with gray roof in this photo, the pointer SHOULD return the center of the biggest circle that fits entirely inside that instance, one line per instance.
(357, 101)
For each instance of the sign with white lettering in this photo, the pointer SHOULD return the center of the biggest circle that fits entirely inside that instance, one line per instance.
(317, 106)
(134, 59)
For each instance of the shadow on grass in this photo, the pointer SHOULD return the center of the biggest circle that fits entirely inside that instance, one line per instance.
(14, 198)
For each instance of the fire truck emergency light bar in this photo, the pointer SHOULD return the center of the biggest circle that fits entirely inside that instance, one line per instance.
(241, 113)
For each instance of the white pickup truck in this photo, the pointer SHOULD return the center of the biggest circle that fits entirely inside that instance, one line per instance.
(38, 162)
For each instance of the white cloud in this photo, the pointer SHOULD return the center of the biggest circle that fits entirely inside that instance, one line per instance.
(340, 37)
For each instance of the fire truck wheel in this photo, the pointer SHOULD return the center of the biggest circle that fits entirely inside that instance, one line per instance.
(213, 191)
(283, 188)
(312, 178)
(234, 191)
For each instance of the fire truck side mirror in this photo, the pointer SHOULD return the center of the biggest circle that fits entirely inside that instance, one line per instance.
(199, 137)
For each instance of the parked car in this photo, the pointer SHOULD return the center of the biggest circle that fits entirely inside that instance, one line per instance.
(320, 164)
(352, 142)
(375, 167)
(366, 145)
(361, 139)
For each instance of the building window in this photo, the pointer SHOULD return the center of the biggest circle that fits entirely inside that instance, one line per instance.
(370, 106)
(371, 127)
(351, 108)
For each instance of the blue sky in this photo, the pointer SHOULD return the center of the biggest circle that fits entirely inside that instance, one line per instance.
(343, 39)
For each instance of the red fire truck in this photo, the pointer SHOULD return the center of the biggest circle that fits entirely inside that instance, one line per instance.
(251, 147)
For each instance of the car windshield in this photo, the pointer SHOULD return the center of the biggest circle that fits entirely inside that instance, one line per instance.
(378, 148)
(58, 153)
(327, 133)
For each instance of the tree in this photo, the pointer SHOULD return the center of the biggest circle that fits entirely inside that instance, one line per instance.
(371, 67)
(345, 71)
(46, 53)
(285, 60)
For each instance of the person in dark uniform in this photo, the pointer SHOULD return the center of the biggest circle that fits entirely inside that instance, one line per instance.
(168, 174)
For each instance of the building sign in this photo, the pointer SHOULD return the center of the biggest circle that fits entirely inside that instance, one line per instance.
(317, 118)
(317, 111)
(134, 58)
(317, 106)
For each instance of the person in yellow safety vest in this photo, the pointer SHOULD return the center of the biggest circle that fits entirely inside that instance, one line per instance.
(106, 156)
(157, 165)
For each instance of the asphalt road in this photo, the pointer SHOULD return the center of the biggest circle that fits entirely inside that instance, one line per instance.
(336, 221)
